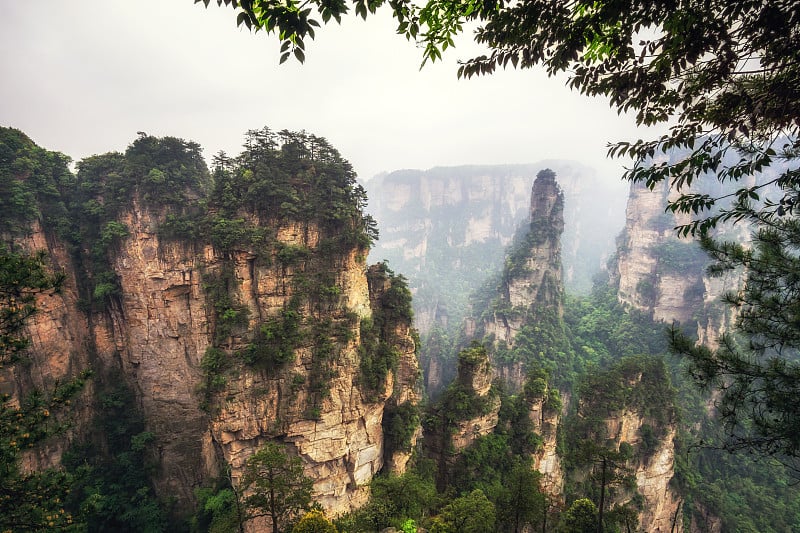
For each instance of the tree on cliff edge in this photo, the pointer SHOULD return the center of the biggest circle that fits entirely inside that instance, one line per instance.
(757, 373)
(275, 485)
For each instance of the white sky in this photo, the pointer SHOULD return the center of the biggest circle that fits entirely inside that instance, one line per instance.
(82, 77)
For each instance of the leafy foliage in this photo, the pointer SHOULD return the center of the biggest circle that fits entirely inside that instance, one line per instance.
(459, 401)
(581, 517)
(314, 522)
(113, 491)
(732, 488)
(378, 353)
(394, 500)
(399, 425)
(757, 372)
(472, 513)
(22, 277)
(29, 500)
(722, 72)
(32, 183)
(276, 486)
(218, 509)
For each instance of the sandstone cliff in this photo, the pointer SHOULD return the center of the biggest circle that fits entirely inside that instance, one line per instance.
(237, 317)
(622, 433)
(521, 320)
(467, 410)
(530, 288)
(663, 275)
(446, 228)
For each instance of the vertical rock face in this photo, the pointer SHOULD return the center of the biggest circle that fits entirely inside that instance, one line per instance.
(531, 288)
(523, 324)
(157, 331)
(547, 460)
(475, 377)
(657, 272)
(629, 419)
(251, 322)
(663, 275)
(58, 336)
(525, 313)
(467, 410)
(538, 279)
(653, 472)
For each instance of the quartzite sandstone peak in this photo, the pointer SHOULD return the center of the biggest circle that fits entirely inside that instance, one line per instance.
(238, 310)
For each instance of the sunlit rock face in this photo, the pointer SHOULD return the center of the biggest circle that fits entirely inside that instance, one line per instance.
(158, 332)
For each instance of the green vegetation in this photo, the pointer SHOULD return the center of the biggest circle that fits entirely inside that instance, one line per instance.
(639, 385)
(700, 80)
(757, 368)
(694, 70)
(314, 522)
(472, 513)
(32, 182)
(459, 401)
(299, 182)
(680, 256)
(608, 337)
(276, 487)
(32, 501)
(294, 181)
(112, 491)
(275, 340)
(378, 353)
(219, 508)
(399, 425)
(165, 175)
(395, 500)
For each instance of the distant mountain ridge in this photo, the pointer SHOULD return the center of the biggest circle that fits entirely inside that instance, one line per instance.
(445, 228)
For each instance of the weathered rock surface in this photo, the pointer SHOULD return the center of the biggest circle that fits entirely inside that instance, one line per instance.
(653, 471)
(663, 275)
(531, 285)
(160, 325)
(547, 460)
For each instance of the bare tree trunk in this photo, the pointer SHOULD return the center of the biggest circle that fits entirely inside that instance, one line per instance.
(602, 497)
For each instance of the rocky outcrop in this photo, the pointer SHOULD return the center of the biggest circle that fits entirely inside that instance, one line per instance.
(446, 228)
(535, 274)
(467, 410)
(657, 272)
(58, 336)
(547, 459)
(627, 440)
(260, 328)
(475, 379)
(663, 275)
(531, 288)
(653, 471)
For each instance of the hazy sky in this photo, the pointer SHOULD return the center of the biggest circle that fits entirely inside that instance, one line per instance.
(82, 77)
